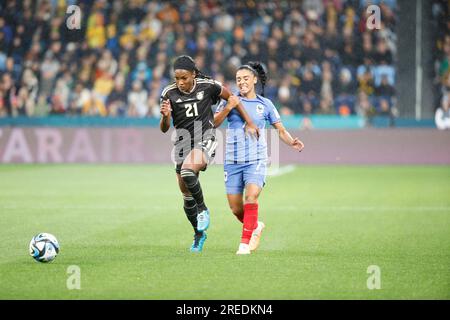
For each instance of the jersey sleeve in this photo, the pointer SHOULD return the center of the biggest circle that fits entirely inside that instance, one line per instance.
(165, 93)
(272, 116)
(163, 97)
(216, 90)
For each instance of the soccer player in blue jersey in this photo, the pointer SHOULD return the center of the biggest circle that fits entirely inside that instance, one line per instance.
(245, 157)
(186, 104)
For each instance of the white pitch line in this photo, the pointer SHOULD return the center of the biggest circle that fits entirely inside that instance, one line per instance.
(363, 208)
(279, 171)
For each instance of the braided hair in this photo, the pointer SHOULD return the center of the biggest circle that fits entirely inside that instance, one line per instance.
(187, 63)
(258, 70)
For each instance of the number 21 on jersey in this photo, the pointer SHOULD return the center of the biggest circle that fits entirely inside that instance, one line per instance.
(191, 109)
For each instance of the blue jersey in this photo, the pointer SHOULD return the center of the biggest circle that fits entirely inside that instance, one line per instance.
(239, 147)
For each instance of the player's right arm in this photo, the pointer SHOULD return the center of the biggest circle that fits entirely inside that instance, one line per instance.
(166, 114)
(250, 126)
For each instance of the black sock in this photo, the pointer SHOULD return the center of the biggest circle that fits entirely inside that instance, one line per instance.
(191, 181)
(190, 208)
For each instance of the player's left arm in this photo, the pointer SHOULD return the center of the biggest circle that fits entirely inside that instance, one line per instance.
(286, 137)
(275, 120)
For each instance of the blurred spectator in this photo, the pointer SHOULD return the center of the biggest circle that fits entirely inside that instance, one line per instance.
(2, 105)
(142, 73)
(384, 107)
(344, 90)
(137, 100)
(103, 86)
(76, 100)
(49, 69)
(30, 86)
(116, 102)
(96, 32)
(286, 91)
(8, 94)
(326, 107)
(383, 70)
(364, 107)
(326, 91)
(442, 116)
(382, 54)
(385, 89)
(91, 104)
(441, 37)
(366, 83)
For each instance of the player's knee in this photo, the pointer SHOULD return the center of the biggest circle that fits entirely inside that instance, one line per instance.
(195, 161)
(187, 166)
(251, 198)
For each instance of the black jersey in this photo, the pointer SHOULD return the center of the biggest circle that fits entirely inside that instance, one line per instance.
(193, 111)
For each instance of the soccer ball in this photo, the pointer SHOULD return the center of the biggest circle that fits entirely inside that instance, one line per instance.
(44, 247)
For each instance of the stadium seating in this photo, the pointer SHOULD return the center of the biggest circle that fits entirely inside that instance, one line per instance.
(320, 56)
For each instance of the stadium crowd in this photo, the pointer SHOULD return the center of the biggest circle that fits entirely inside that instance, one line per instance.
(440, 11)
(320, 55)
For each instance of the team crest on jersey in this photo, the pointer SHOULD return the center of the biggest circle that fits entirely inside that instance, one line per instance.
(260, 108)
(200, 95)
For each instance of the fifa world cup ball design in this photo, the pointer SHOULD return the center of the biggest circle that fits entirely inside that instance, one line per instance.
(44, 247)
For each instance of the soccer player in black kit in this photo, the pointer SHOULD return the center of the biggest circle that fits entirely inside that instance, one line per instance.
(188, 103)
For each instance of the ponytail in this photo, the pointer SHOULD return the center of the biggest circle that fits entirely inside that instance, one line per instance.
(201, 75)
(258, 70)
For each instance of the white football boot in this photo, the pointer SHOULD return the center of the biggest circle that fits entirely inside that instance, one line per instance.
(243, 249)
(256, 236)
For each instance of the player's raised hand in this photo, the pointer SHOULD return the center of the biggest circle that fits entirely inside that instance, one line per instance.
(166, 108)
(297, 144)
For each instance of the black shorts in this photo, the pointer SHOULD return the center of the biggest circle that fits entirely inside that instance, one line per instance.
(208, 146)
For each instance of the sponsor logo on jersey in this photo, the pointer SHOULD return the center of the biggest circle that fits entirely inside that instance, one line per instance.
(179, 101)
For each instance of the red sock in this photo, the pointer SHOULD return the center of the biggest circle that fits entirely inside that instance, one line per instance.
(250, 221)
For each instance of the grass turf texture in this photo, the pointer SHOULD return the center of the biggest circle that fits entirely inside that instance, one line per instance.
(125, 228)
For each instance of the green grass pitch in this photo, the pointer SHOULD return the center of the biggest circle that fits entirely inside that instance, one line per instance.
(124, 227)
